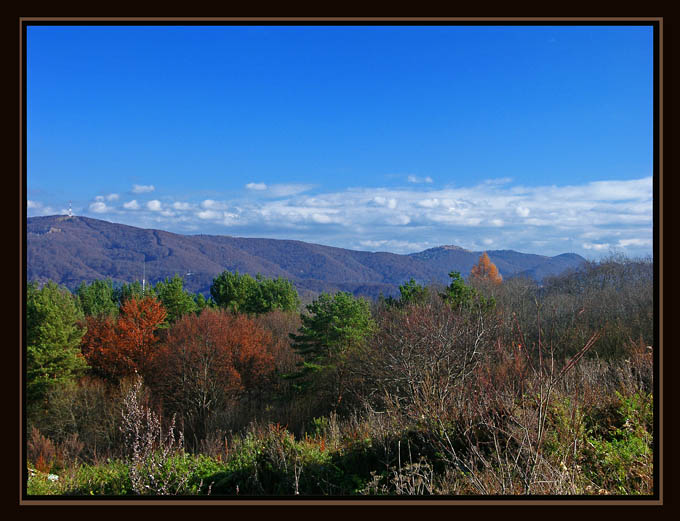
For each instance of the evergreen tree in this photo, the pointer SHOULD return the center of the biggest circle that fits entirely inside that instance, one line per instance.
(411, 293)
(134, 289)
(461, 296)
(257, 295)
(97, 298)
(333, 329)
(176, 301)
(232, 291)
(53, 333)
(203, 303)
(273, 294)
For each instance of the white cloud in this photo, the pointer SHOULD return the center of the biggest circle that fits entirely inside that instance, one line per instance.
(321, 218)
(624, 243)
(497, 222)
(35, 208)
(210, 204)
(429, 203)
(395, 245)
(154, 205)
(399, 220)
(209, 214)
(181, 206)
(219, 217)
(595, 246)
(522, 211)
(229, 219)
(498, 181)
(110, 197)
(99, 207)
(390, 203)
(285, 190)
(131, 205)
(416, 179)
(539, 222)
(279, 190)
(142, 189)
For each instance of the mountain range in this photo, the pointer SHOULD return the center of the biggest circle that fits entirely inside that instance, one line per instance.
(69, 250)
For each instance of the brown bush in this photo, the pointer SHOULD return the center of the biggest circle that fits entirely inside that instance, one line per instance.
(421, 356)
(207, 362)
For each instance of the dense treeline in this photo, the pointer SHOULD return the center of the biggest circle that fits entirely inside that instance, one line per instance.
(485, 386)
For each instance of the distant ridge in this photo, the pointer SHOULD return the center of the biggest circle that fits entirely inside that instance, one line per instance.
(69, 250)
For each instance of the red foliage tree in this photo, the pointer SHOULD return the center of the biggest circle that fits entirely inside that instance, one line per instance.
(485, 271)
(207, 360)
(116, 349)
(98, 347)
(138, 326)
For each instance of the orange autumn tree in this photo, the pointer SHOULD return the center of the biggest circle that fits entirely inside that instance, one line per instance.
(138, 326)
(98, 348)
(485, 271)
(207, 361)
(118, 348)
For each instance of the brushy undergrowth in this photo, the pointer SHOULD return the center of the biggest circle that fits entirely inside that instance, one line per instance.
(588, 450)
(547, 391)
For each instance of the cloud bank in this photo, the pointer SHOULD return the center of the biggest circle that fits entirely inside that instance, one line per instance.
(591, 219)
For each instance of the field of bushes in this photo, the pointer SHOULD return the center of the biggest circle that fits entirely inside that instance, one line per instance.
(482, 387)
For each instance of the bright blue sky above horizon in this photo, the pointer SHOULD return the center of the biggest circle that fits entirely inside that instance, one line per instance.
(537, 139)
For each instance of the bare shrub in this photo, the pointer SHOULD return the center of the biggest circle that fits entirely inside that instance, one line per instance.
(152, 455)
(281, 324)
(497, 439)
(420, 356)
(479, 400)
(46, 455)
(88, 409)
(411, 479)
(615, 293)
(41, 452)
(215, 445)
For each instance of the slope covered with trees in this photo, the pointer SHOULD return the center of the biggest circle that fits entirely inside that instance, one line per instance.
(71, 250)
(482, 386)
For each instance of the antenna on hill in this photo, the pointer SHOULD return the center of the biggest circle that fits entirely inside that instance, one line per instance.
(144, 277)
(70, 211)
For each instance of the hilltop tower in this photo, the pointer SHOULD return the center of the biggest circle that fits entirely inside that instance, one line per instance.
(70, 210)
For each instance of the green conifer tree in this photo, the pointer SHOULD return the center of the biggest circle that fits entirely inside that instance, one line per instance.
(53, 332)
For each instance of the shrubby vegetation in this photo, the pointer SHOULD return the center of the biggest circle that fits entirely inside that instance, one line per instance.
(485, 386)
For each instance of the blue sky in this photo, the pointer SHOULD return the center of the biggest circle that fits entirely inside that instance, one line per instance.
(537, 139)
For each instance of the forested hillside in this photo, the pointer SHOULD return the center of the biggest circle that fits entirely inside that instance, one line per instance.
(483, 386)
(70, 250)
